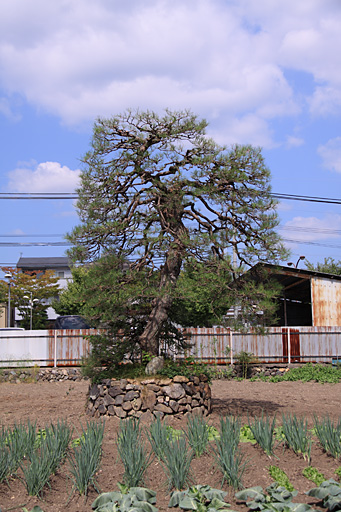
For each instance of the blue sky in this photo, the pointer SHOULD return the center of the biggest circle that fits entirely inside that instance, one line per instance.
(266, 73)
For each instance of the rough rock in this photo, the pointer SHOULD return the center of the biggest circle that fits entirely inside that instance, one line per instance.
(175, 391)
(148, 398)
(155, 365)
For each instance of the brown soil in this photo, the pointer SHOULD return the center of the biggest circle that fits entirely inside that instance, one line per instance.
(48, 402)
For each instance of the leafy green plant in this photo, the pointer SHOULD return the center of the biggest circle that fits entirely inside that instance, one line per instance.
(276, 498)
(174, 433)
(57, 438)
(280, 477)
(228, 457)
(177, 463)
(263, 431)
(85, 459)
(158, 435)
(21, 442)
(38, 470)
(213, 433)
(338, 473)
(232, 465)
(329, 435)
(197, 434)
(244, 359)
(132, 451)
(188, 368)
(126, 500)
(36, 508)
(199, 497)
(296, 435)
(246, 435)
(329, 492)
(229, 430)
(314, 475)
(310, 372)
(5, 463)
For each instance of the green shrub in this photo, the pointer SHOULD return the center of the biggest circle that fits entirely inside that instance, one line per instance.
(311, 372)
(188, 368)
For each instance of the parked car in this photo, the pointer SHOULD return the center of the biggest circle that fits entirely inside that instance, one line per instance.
(71, 322)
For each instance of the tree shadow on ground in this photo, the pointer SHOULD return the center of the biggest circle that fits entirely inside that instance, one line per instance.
(242, 407)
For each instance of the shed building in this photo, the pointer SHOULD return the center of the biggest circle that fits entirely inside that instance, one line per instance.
(308, 298)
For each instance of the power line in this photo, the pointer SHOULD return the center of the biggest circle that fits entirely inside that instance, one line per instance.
(29, 236)
(34, 244)
(303, 242)
(311, 199)
(73, 195)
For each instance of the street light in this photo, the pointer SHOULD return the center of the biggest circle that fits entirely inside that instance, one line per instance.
(9, 277)
(291, 264)
(31, 303)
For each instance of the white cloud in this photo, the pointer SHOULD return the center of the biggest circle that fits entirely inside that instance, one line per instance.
(309, 229)
(326, 101)
(79, 60)
(225, 59)
(331, 154)
(44, 177)
(284, 206)
(294, 142)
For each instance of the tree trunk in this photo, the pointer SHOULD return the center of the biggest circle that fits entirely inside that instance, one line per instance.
(149, 339)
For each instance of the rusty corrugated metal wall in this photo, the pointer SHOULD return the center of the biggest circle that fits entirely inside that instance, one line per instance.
(67, 347)
(325, 302)
(215, 345)
(279, 344)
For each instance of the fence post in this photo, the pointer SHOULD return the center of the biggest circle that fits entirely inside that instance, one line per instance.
(55, 349)
(231, 347)
(289, 347)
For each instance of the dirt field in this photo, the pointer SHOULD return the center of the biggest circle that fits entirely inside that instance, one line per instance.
(48, 402)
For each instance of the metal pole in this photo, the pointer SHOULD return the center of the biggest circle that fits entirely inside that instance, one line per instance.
(55, 348)
(31, 306)
(9, 305)
(289, 347)
(231, 347)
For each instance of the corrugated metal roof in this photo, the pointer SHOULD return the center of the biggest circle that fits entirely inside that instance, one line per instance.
(295, 272)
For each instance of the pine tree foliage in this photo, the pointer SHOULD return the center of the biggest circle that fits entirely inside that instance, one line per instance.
(156, 195)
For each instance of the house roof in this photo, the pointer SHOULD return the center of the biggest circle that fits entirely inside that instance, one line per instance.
(43, 263)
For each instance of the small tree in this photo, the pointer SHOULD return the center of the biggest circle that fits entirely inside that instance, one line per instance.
(157, 193)
(329, 266)
(72, 299)
(36, 286)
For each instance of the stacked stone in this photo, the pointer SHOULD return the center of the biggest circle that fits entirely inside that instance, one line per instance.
(59, 374)
(150, 397)
(40, 374)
